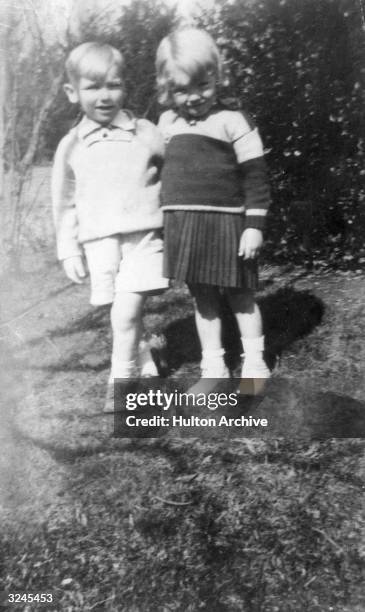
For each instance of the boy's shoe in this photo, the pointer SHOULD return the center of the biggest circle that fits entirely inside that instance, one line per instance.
(109, 404)
(114, 398)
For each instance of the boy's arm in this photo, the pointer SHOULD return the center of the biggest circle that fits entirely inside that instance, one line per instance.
(64, 211)
(153, 138)
(74, 268)
(165, 121)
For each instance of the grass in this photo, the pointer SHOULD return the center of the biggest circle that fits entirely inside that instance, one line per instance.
(246, 524)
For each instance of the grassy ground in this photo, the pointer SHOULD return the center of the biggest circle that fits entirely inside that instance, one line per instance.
(246, 524)
(254, 524)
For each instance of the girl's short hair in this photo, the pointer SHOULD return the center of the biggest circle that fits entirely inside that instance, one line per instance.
(191, 50)
(92, 60)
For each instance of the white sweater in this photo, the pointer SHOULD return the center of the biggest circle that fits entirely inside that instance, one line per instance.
(105, 181)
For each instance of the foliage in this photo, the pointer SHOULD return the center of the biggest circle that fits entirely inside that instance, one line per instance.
(297, 67)
(33, 77)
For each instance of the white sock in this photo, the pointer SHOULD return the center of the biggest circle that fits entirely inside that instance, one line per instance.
(213, 365)
(254, 365)
(253, 346)
(122, 369)
(145, 361)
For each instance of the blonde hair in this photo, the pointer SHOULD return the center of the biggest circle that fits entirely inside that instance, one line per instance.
(92, 60)
(191, 50)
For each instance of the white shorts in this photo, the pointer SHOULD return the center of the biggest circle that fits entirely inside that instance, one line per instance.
(124, 262)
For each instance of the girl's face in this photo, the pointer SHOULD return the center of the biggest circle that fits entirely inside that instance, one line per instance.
(193, 97)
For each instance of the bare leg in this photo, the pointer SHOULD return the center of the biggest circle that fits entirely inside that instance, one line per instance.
(247, 313)
(249, 321)
(126, 319)
(209, 327)
(207, 319)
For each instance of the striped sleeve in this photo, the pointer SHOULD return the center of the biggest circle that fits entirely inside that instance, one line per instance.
(255, 186)
(249, 151)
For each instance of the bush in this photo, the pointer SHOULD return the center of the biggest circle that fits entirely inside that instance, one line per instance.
(296, 65)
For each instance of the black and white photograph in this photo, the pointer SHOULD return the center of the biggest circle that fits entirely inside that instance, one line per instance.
(182, 290)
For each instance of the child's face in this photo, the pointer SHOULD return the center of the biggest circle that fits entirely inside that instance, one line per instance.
(194, 98)
(100, 98)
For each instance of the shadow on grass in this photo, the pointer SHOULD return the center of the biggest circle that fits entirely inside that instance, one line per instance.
(95, 319)
(287, 315)
(74, 450)
(75, 363)
(294, 410)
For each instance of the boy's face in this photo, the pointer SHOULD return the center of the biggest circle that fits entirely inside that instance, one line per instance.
(99, 98)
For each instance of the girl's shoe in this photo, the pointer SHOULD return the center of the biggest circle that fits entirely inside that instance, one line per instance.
(254, 376)
(255, 372)
(213, 369)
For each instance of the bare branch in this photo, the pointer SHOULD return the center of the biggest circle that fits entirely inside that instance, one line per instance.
(28, 158)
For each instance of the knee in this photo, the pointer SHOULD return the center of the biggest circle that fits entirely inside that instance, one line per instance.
(243, 301)
(207, 301)
(124, 320)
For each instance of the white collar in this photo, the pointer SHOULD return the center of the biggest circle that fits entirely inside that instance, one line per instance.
(124, 120)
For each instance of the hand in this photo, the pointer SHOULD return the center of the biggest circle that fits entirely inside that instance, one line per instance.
(75, 269)
(250, 243)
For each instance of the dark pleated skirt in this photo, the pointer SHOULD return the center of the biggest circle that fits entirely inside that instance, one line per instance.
(202, 248)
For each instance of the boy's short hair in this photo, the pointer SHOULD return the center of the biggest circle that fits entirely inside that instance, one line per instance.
(189, 49)
(92, 60)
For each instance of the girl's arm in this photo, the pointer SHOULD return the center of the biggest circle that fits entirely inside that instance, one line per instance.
(254, 180)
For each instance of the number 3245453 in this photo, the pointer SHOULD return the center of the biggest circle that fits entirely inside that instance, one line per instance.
(30, 597)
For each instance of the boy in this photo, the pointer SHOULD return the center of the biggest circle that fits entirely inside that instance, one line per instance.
(105, 194)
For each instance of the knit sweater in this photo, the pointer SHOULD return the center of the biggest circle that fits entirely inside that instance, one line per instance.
(215, 165)
(105, 181)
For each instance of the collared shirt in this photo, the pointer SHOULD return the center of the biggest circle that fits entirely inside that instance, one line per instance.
(105, 181)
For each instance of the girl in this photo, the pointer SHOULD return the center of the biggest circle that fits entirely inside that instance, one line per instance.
(215, 197)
